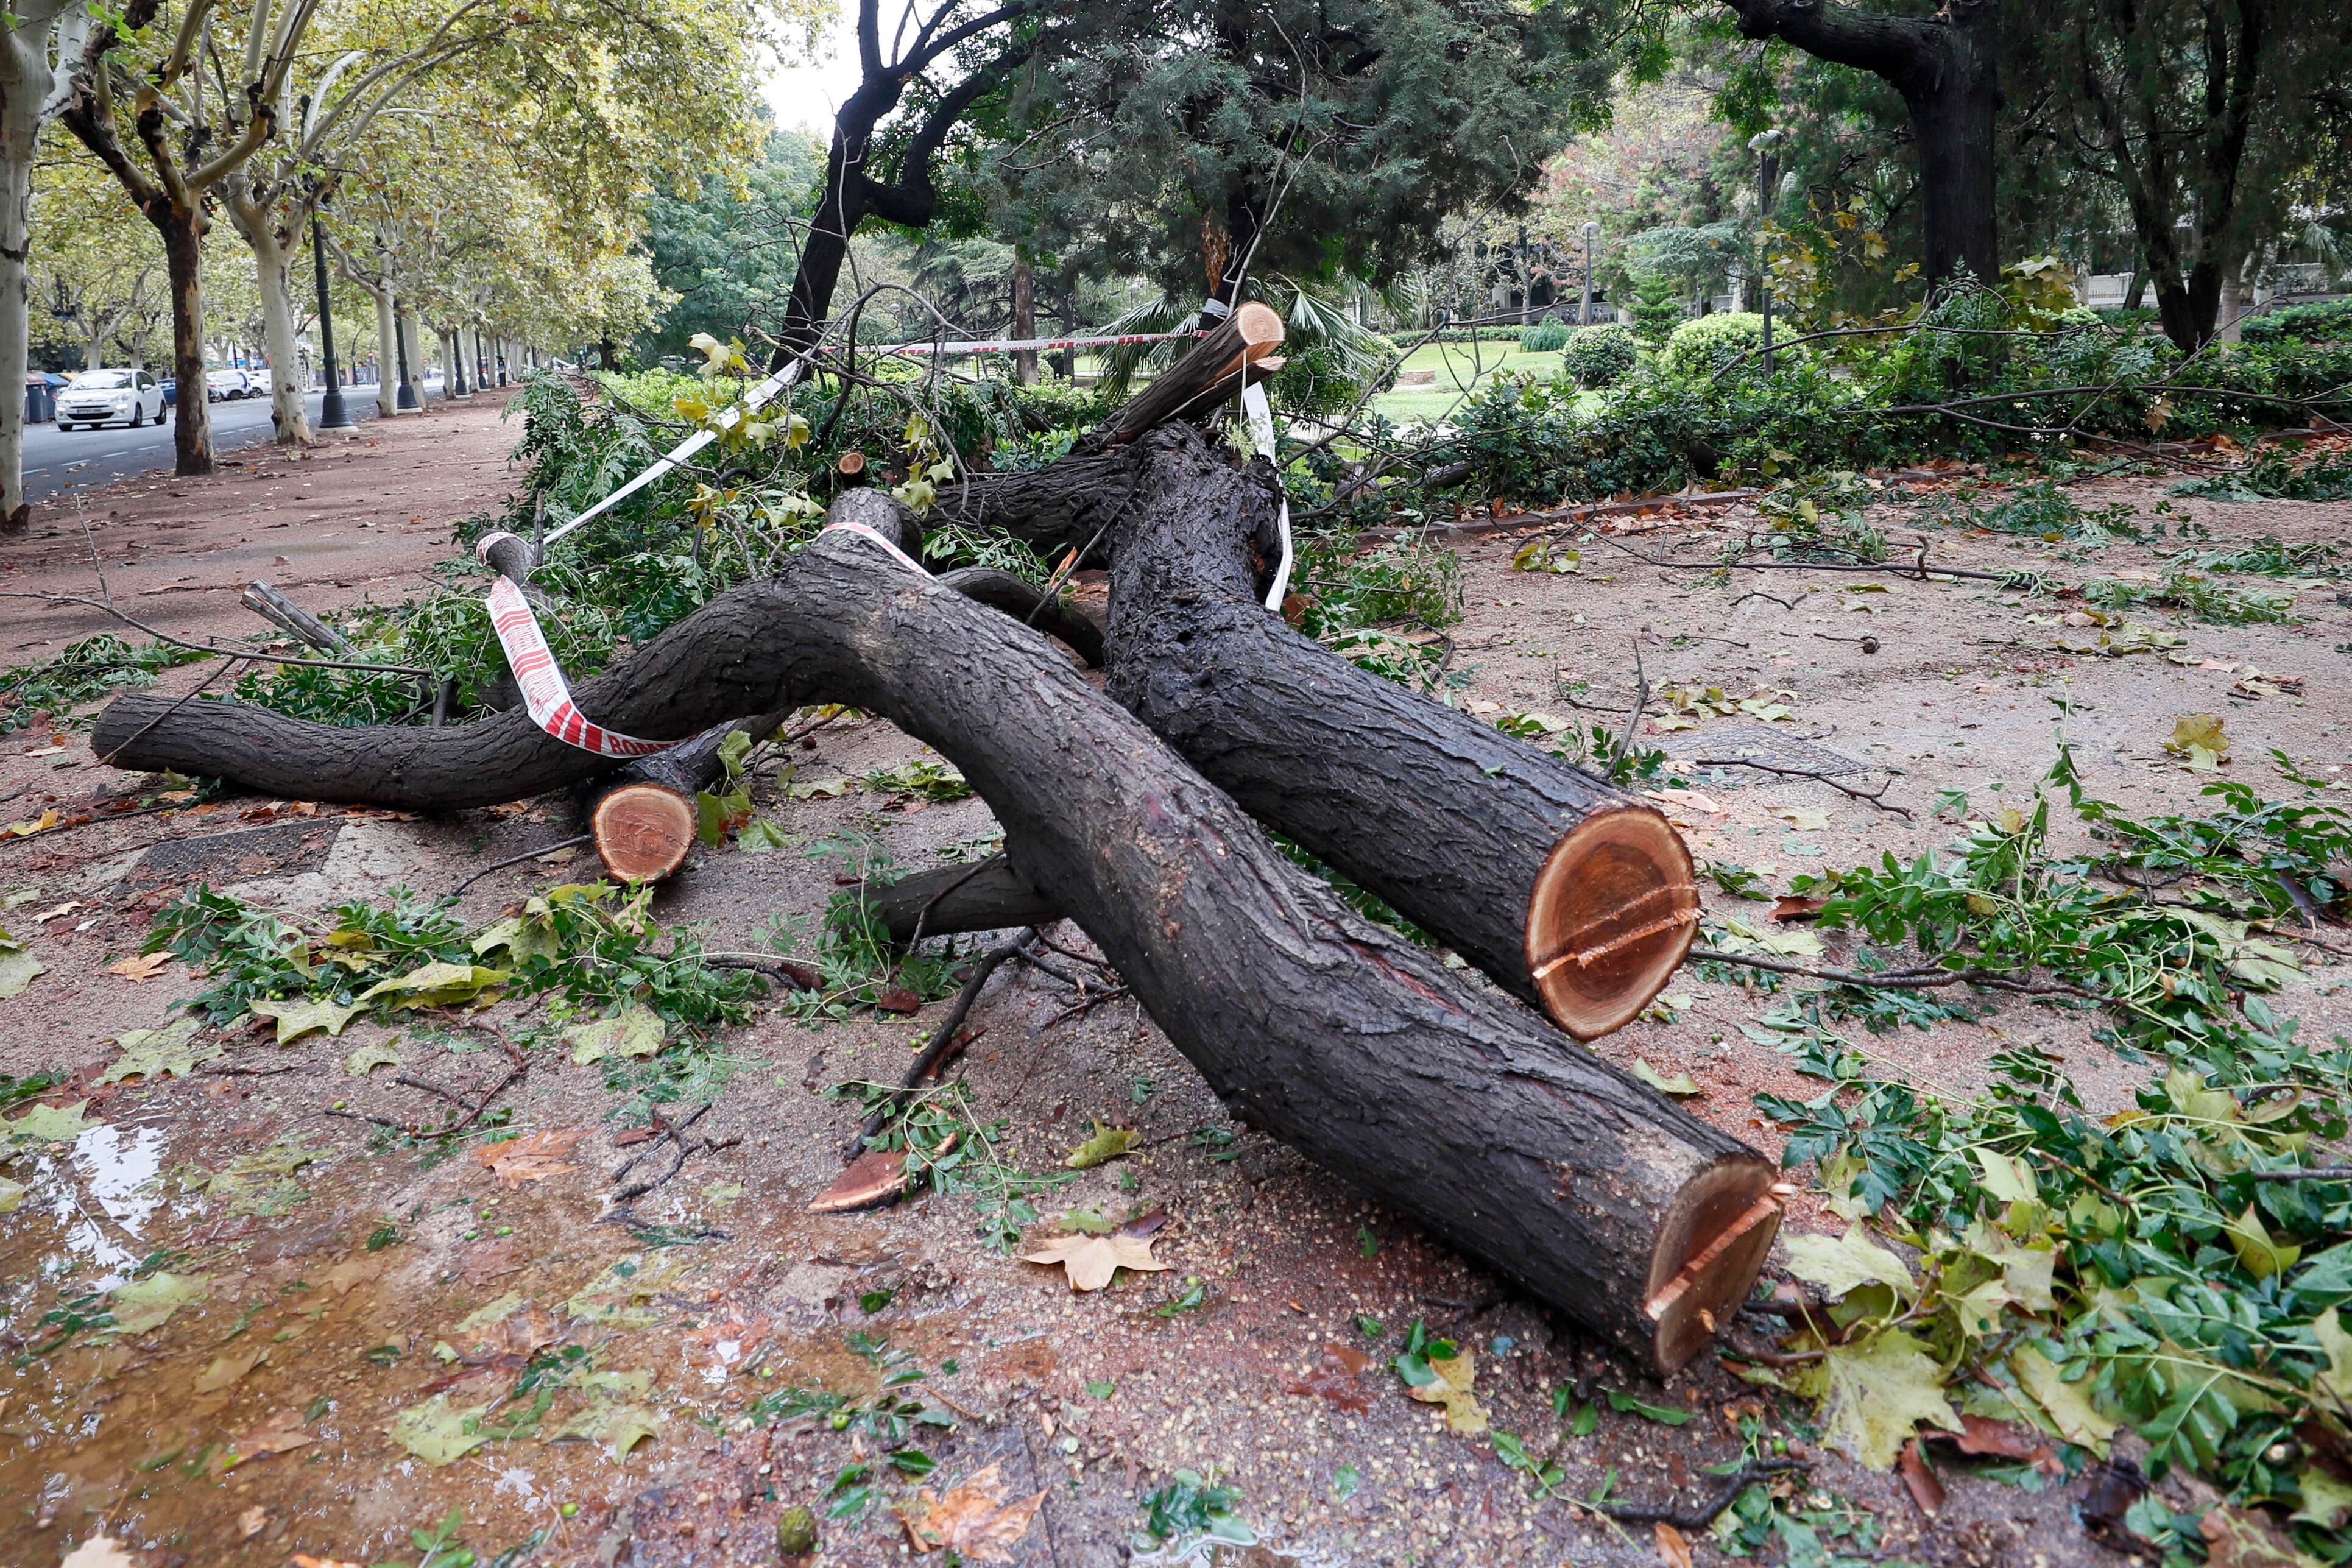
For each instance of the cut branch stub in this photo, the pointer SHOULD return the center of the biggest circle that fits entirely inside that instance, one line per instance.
(1447, 1101)
(1203, 379)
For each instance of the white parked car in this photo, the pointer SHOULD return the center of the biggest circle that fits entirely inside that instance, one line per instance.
(98, 398)
(227, 386)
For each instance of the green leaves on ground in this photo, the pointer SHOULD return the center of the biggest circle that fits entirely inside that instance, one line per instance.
(592, 945)
(1108, 1143)
(149, 1303)
(19, 968)
(152, 1052)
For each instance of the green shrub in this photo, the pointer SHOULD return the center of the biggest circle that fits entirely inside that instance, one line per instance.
(2327, 320)
(1657, 307)
(1598, 357)
(1548, 336)
(1704, 347)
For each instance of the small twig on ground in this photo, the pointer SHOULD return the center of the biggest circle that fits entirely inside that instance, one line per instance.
(670, 1131)
(518, 859)
(791, 971)
(89, 821)
(1042, 967)
(1050, 945)
(1761, 594)
(1634, 717)
(1074, 1008)
(1701, 1515)
(1874, 798)
(942, 1039)
(1922, 979)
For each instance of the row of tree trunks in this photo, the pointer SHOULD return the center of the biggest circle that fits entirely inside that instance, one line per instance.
(1448, 1102)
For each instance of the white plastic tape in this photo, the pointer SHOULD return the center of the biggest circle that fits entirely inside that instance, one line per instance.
(546, 695)
(752, 402)
(904, 559)
(1261, 423)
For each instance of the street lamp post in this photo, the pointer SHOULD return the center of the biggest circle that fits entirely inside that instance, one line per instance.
(1584, 316)
(333, 414)
(1768, 167)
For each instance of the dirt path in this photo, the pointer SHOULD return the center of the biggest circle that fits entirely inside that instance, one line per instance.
(352, 1295)
(357, 514)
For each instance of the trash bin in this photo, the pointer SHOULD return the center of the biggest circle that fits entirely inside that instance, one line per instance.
(40, 403)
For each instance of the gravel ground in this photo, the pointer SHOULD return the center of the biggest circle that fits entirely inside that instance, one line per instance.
(1092, 1400)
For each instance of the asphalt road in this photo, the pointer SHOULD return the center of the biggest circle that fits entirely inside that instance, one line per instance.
(58, 461)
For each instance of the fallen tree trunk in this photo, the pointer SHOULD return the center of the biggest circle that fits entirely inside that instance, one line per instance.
(1452, 1104)
(1567, 892)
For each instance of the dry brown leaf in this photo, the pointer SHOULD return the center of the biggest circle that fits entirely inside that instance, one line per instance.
(492, 1259)
(972, 1521)
(282, 1432)
(250, 1522)
(1092, 1259)
(304, 1560)
(529, 1328)
(1789, 908)
(1925, 1490)
(141, 966)
(1336, 1381)
(532, 1158)
(1673, 1550)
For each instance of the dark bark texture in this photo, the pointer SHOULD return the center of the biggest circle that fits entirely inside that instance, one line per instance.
(1944, 66)
(1449, 1102)
(1451, 822)
(987, 895)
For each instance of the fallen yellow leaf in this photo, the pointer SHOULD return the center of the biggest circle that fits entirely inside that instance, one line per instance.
(972, 1521)
(141, 966)
(532, 1158)
(1091, 1261)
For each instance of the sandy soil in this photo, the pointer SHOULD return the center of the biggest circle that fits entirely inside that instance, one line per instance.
(1092, 1400)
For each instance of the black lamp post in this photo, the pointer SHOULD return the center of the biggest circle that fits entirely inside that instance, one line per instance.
(333, 414)
(407, 399)
(1585, 318)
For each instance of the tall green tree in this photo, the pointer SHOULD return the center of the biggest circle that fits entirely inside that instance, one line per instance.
(2210, 120)
(1311, 138)
(1943, 60)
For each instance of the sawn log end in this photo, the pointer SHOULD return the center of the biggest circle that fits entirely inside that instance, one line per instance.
(1710, 1248)
(1612, 912)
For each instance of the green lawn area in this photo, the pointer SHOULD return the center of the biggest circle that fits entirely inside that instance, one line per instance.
(1458, 367)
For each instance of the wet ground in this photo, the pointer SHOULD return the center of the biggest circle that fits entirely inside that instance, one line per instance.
(310, 1311)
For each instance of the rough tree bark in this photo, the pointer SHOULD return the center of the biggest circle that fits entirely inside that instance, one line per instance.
(1567, 892)
(1944, 67)
(1452, 1104)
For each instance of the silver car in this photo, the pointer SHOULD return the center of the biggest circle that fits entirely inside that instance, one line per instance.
(98, 398)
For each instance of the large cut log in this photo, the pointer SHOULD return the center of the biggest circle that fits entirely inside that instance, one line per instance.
(1447, 1101)
(1567, 892)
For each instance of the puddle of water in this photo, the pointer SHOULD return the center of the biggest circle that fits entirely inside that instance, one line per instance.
(247, 1413)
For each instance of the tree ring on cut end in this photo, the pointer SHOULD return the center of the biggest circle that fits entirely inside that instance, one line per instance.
(1711, 1247)
(1613, 912)
(642, 831)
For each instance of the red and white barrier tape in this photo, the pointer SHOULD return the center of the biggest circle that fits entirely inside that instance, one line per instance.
(546, 695)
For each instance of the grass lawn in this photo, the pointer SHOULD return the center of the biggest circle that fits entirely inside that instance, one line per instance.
(1458, 368)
